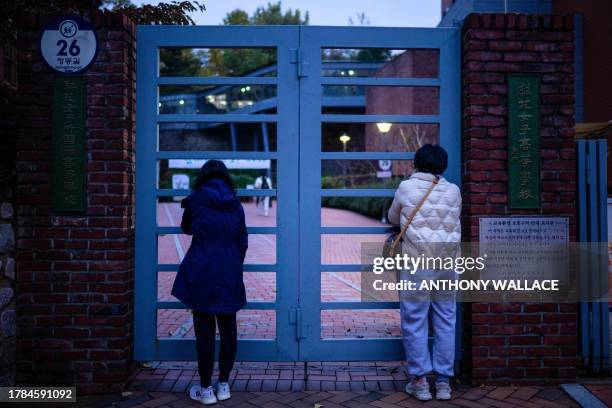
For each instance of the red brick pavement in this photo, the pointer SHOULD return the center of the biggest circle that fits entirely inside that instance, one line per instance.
(325, 384)
(261, 286)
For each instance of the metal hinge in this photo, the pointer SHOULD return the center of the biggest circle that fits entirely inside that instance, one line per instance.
(297, 58)
(295, 318)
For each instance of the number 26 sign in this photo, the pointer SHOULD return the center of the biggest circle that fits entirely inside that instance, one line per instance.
(68, 44)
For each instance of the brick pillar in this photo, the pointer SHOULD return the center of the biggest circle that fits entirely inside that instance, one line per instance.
(518, 343)
(75, 271)
(7, 221)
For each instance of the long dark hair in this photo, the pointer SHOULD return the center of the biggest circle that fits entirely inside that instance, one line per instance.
(214, 169)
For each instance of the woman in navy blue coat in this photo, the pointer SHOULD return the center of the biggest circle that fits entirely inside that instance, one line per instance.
(209, 279)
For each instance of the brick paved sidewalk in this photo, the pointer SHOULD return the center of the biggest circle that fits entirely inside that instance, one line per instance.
(480, 397)
(326, 385)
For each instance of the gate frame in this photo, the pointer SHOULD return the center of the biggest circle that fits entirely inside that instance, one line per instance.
(150, 39)
(299, 96)
(312, 39)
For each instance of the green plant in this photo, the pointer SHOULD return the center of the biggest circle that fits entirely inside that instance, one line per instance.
(374, 207)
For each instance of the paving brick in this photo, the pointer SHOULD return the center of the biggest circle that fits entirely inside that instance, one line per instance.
(283, 385)
(156, 402)
(386, 385)
(394, 397)
(468, 403)
(133, 400)
(550, 394)
(524, 393)
(495, 403)
(343, 386)
(254, 385)
(357, 386)
(263, 399)
(297, 385)
(369, 396)
(239, 385)
(341, 396)
(180, 385)
(316, 397)
(269, 385)
(501, 393)
(328, 385)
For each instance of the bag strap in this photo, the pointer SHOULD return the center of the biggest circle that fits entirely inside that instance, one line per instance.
(414, 213)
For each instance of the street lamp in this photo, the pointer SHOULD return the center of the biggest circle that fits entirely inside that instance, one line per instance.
(383, 127)
(344, 138)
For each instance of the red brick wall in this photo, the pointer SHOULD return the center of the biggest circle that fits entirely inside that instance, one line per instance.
(518, 343)
(75, 271)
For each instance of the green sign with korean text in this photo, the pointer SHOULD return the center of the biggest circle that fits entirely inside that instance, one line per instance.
(68, 151)
(523, 141)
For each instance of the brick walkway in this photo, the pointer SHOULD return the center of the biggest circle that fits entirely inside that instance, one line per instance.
(326, 385)
(261, 286)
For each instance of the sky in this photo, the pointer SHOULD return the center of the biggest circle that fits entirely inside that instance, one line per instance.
(387, 13)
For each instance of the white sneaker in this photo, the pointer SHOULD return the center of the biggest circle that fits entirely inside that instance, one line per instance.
(443, 390)
(204, 395)
(223, 391)
(419, 389)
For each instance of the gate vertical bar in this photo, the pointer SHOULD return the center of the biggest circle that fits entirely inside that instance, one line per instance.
(450, 103)
(450, 134)
(310, 197)
(593, 235)
(585, 333)
(602, 204)
(287, 194)
(146, 239)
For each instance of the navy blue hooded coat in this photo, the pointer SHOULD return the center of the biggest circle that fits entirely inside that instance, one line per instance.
(210, 277)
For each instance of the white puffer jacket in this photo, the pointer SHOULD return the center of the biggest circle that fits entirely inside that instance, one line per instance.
(437, 220)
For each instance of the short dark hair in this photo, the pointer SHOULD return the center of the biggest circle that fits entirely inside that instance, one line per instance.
(431, 159)
(214, 169)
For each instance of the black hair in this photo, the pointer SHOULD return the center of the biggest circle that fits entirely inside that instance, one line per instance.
(214, 169)
(431, 159)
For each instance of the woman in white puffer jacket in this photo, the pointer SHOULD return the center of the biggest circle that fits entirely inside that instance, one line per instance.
(437, 221)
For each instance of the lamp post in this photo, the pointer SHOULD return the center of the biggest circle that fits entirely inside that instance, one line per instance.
(344, 138)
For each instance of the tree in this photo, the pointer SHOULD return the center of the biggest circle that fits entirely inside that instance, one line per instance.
(273, 14)
(173, 12)
(236, 17)
(237, 62)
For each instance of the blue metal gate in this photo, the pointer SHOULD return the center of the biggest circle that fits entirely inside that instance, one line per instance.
(445, 44)
(593, 227)
(302, 111)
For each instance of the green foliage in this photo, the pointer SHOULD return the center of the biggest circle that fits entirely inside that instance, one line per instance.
(273, 14)
(237, 62)
(374, 207)
(226, 61)
(236, 17)
(173, 12)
